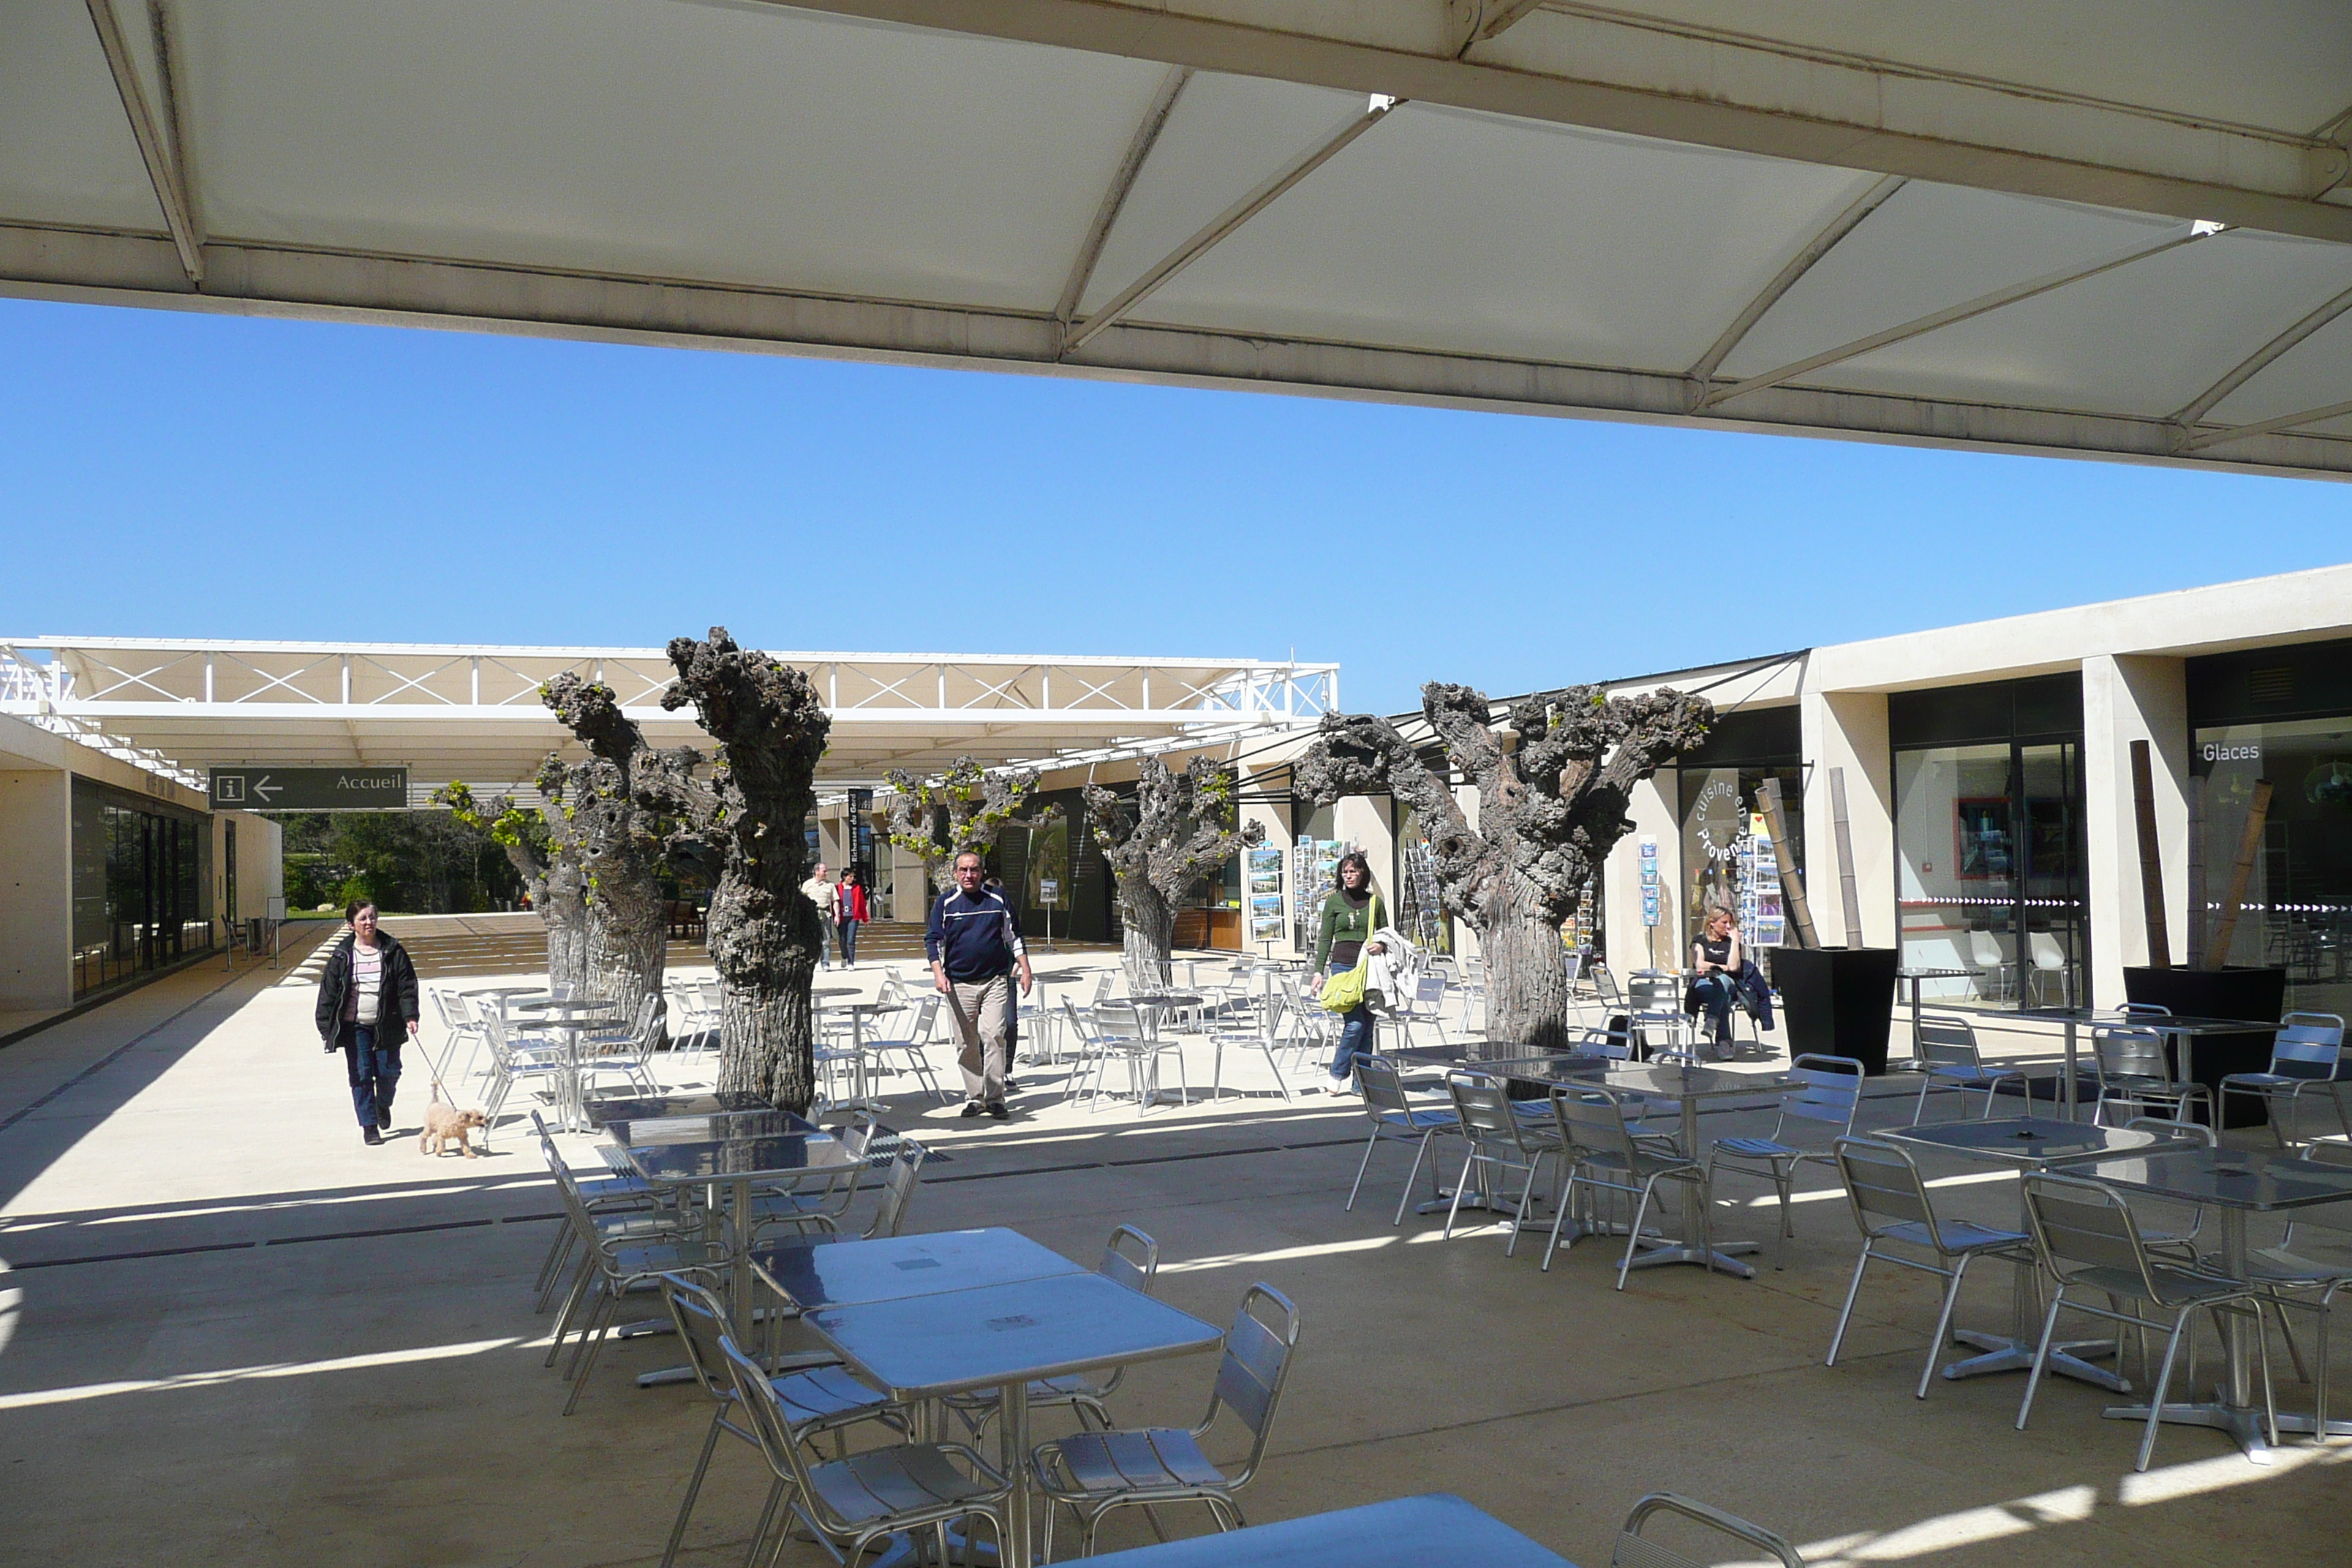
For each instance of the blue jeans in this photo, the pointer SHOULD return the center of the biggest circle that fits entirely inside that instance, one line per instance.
(848, 941)
(372, 1070)
(1355, 1033)
(1715, 993)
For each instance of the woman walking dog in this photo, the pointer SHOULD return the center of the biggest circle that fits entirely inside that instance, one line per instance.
(367, 996)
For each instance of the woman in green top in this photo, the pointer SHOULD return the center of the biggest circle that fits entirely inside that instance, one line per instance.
(1351, 913)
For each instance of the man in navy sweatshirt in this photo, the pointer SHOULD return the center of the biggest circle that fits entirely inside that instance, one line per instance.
(973, 940)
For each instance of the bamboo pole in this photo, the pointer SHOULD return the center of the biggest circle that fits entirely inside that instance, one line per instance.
(2151, 859)
(1792, 885)
(1849, 893)
(2217, 950)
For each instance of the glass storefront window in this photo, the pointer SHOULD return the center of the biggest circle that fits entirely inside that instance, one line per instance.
(1728, 854)
(2297, 912)
(1989, 871)
(142, 888)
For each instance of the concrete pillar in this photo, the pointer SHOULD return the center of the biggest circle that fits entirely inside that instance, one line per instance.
(1848, 729)
(36, 889)
(1368, 822)
(1655, 808)
(2128, 697)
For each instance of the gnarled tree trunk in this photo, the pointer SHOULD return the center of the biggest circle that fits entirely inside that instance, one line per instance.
(1182, 828)
(619, 847)
(1527, 981)
(1552, 804)
(563, 905)
(764, 931)
(1147, 928)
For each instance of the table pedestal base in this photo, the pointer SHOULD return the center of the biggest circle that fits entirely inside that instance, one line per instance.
(2004, 1353)
(2245, 1426)
(1668, 1250)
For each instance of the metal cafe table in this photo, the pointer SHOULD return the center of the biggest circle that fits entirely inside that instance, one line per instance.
(661, 1107)
(2234, 1183)
(572, 1019)
(2188, 1029)
(1409, 1532)
(1918, 977)
(735, 1156)
(1684, 1087)
(2027, 1143)
(859, 1012)
(918, 1349)
(814, 1272)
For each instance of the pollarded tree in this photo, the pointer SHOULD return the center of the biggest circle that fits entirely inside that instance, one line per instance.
(1179, 828)
(545, 852)
(770, 728)
(621, 847)
(1552, 804)
(978, 805)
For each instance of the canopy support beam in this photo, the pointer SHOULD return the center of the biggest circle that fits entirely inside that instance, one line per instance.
(1951, 315)
(1225, 223)
(169, 194)
(1845, 224)
(1139, 149)
(2260, 360)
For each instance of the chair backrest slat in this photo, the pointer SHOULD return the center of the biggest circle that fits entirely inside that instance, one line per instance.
(2080, 1225)
(2130, 1053)
(1945, 1041)
(1256, 1365)
(1485, 1109)
(1130, 1257)
(1881, 1185)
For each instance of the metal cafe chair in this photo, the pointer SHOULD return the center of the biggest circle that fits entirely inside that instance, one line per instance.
(1635, 1550)
(1890, 1207)
(1498, 1138)
(1094, 1473)
(1602, 1152)
(1395, 1118)
(820, 1400)
(2182, 1243)
(2310, 1284)
(1823, 1105)
(856, 1500)
(2091, 1244)
(2135, 1070)
(2307, 1056)
(1949, 1059)
(910, 1049)
(1130, 1259)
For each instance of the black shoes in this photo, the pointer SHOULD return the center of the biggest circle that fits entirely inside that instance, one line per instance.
(371, 1134)
(383, 1120)
(996, 1108)
(973, 1108)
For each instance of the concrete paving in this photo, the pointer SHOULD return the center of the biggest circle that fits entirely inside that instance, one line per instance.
(232, 1333)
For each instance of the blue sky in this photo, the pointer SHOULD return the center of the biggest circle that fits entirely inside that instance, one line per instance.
(173, 474)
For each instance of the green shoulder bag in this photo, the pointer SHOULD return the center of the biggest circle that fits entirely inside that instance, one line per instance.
(1344, 992)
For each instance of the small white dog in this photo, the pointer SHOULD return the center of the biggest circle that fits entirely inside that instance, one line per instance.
(444, 1122)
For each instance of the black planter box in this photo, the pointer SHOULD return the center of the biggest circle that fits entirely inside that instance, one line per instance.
(1837, 1001)
(2234, 993)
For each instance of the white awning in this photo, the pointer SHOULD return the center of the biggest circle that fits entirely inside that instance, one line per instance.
(2111, 227)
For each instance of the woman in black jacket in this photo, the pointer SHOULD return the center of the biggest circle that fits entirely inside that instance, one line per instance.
(367, 994)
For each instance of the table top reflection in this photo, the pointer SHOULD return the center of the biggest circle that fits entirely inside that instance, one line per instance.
(1407, 1532)
(819, 1271)
(2258, 1179)
(925, 1347)
(740, 1159)
(2027, 1140)
(648, 1108)
(711, 1126)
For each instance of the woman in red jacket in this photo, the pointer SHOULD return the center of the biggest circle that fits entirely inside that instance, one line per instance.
(849, 912)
